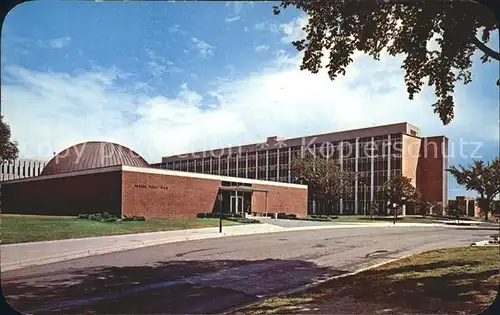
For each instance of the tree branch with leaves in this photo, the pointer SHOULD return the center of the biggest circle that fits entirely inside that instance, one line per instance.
(398, 191)
(342, 27)
(325, 179)
(8, 148)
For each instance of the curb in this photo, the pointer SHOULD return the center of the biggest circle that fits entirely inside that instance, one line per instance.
(314, 284)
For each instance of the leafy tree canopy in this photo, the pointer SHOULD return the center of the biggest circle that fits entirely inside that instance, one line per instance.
(323, 176)
(8, 148)
(399, 190)
(482, 178)
(340, 27)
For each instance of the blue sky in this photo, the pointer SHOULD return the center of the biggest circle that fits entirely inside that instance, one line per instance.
(166, 78)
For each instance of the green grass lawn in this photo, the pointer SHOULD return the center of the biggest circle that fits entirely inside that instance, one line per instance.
(463, 280)
(32, 228)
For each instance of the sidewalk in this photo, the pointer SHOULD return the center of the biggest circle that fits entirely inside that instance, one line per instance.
(16, 256)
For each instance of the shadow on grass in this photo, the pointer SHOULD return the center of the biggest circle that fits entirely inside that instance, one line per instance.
(175, 287)
(443, 284)
(421, 288)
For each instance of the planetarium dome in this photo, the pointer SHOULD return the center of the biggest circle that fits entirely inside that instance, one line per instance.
(92, 154)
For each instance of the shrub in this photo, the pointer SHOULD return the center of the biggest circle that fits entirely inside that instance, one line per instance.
(133, 218)
(282, 215)
(83, 216)
(243, 220)
(201, 215)
(108, 219)
(291, 216)
(208, 215)
(126, 218)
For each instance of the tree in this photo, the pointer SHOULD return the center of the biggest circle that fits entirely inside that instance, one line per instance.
(423, 207)
(8, 148)
(482, 178)
(401, 27)
(455, 210)
(325, 179)
(398, 190)
(373, 209)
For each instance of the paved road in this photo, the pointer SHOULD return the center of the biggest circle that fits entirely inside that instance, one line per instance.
(303, 223)
(212, 275)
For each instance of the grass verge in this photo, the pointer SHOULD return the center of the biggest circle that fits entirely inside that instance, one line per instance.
(34, 228)
(463, 280)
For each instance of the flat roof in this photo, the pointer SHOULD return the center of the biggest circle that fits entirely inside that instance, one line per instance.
(148, 170)
(341, 135)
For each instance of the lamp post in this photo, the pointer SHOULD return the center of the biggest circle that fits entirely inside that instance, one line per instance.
(220, 212)
(365, 201)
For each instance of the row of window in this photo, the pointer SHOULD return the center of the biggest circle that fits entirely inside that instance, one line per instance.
(364, 164)
(21, 169)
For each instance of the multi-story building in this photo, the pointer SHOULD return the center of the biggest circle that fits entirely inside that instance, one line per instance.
(374, 153)
(21, 168)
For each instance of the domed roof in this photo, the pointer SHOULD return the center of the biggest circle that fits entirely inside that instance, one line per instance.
(92, 154)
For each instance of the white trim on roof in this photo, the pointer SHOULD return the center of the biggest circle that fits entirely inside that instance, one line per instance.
(210, 176)
(67, 174)
(156, 171)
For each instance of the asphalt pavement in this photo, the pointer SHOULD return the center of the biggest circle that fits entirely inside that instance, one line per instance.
(212, 275)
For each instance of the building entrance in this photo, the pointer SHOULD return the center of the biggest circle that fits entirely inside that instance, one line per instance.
(237, 204)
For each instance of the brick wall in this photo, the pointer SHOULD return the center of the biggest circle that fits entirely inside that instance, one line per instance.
(64, 196)
(281, 199)
(430, 169)
(158, 195)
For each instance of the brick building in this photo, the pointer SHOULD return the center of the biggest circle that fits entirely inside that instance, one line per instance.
(106, 177)
(469, 204)
(374, 153)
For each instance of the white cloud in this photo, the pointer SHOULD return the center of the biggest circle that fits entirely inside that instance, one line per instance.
(236, 6)
(204, 49)
(293, 29)
(278, 99)
(60, 42)
(176, 29)
(261, 48)
(158, 65)
(246, 29)
(232, 19)
(266, 27)
(189, 96)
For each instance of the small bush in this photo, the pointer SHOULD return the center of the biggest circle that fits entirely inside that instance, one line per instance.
(126, 218)
(133, 218)
(108, 219)
(208, 215)
(83, 216)
(291, 216)
(282, 215)
(201, 215)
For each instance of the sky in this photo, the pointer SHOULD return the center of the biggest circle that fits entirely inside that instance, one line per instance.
(166, 78)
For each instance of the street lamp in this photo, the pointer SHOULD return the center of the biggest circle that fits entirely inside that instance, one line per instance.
(365, 201)
(220, 212)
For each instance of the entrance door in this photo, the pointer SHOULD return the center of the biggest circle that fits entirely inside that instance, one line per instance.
(237, 204)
